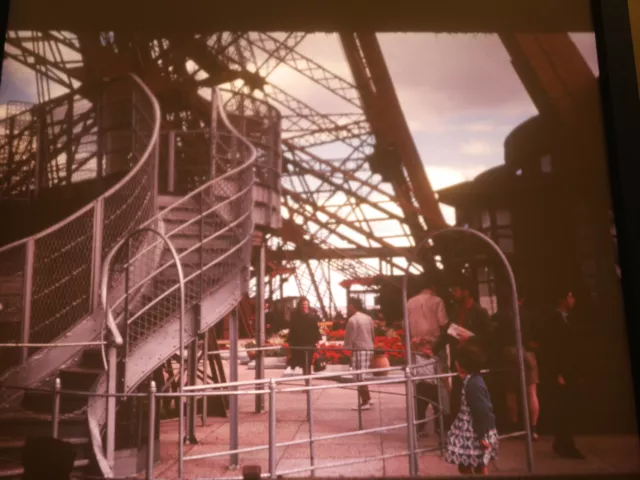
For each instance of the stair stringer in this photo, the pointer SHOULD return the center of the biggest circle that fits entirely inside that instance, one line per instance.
(159, 347)
(44, 365)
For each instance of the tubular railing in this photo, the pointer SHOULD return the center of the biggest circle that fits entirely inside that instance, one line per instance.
(297, 384)
(50, 280)
(211, 228)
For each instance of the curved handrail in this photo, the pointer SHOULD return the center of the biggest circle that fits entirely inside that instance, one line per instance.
(241, 240)
(194, 194)
(138, 166)
(90, 240)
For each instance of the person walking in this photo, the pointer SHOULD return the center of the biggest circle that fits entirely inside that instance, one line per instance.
(359, 337)
(468, 314)
(427, 322)
(472, 441)
(304, 334)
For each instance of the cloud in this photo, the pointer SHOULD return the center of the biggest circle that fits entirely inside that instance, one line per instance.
(478, 148)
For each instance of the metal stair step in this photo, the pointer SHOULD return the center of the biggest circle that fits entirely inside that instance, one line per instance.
(22, 423)
(16, 472)
(11, 448)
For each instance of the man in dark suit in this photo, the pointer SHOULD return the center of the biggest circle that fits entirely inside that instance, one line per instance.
(470, 315)
(563, 362)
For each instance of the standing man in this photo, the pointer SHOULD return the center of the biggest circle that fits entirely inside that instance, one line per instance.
(470, 315)
(506, 339)
(562, 348)
(359, 337)
(427, 322)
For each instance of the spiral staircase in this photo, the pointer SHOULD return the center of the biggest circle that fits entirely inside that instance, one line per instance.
(211, 192)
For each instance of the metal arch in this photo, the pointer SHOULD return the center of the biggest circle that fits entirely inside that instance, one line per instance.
(118, 340)
(516, 320)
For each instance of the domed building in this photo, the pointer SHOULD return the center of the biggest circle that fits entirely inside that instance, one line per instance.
(547, 221)
(553, 220)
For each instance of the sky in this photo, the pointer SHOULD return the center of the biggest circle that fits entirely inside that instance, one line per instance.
(459, 93)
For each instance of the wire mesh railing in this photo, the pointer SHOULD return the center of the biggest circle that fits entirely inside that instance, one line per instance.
(49, 280)
(210, 227)
(405, 377)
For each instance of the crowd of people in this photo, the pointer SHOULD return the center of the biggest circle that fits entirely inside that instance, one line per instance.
(484, 341)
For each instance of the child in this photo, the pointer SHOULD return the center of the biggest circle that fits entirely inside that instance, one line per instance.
(472, 440)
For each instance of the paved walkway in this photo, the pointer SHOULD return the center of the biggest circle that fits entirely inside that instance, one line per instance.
(333, 414)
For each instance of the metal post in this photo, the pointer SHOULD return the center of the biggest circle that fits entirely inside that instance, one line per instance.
(55, 417)
(359, 378)
(260, 321)
(215, 101)
(233, 377)
(516, 317)
(272, 428)
(152, 430)
(125, 323)
(405, 321)
(307, 382)
(111, 404)
(171, 173)
(205, 375)
(28, 295)
(98, 221)
(441, 405)
(191, 405)
(411, 427)
(524, 405)
(312, 448)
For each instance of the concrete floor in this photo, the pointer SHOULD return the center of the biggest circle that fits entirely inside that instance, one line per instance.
(333, 414)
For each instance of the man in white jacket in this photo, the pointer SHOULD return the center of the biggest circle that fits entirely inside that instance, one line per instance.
(359, 337)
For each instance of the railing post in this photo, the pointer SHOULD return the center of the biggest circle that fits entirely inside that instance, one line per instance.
(55, 417)
(112, 381)
(191, 404)
(411, 427)
(233, 377)
(312, 449)
(171, 173)
(272, 428)
(438, 371)
(260, 323)
(213, 139)
(152, 430)
(359, 378)
(205, 375)
(96, 254)
(41, 151)
(29, 263)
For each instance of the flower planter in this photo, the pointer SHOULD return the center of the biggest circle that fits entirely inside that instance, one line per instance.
(380, 361)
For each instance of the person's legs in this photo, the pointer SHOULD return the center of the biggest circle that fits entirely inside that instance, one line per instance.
(456, 391)
(481, 470)
(512, 406)
(365, 396)
(564, 419)
(421, 404)
(534, 408)
(465, 470)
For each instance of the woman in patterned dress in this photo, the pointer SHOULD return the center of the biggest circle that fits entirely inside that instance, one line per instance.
(472, 441)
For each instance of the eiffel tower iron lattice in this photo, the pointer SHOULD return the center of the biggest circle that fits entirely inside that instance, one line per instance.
(335, 202)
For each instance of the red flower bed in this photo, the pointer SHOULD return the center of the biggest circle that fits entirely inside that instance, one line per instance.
(338, 356)
(336, 335)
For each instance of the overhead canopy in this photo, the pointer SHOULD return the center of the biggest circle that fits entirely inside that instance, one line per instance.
(454, 16)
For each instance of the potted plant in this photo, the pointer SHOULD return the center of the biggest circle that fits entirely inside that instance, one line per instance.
(252, 354)
(380, 360)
